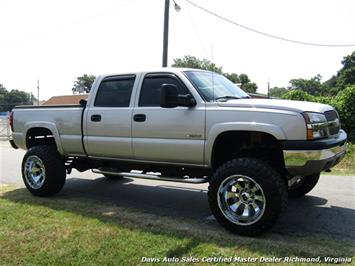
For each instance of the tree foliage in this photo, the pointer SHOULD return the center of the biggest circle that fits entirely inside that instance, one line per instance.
(249, 87)
(345, 105)
(189, 61)
(193, 62)
(344, 78)
(298, 95)
(312, 86)
(277, 92)
(83, 84)
(232, 77)
(9, 99)
(346, 75)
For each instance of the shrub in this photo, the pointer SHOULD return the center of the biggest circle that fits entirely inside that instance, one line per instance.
(344, 103)
(298, 95)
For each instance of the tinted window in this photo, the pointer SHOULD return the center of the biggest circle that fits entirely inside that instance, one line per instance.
(115, 92)
(212, 85)
(150, 92)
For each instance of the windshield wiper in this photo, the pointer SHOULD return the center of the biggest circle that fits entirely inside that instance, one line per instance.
(227, 97)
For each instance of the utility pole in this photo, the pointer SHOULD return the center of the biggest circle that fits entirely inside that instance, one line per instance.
(166, 33)
(37, 92)
(268, 89)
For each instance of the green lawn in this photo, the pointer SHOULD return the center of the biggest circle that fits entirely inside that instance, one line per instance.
(63, 231)
(347, 165)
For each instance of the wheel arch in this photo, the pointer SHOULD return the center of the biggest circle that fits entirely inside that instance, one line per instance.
(230, 144)
(42, 133)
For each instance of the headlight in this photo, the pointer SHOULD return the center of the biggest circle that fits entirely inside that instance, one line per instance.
(316, 125)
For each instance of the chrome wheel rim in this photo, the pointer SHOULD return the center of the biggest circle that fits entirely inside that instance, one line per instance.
(34, 172)
(241, 200)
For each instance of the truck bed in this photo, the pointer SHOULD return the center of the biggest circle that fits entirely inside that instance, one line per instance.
(65, 121)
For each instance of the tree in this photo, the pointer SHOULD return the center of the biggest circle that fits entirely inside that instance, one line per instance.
(344, 78)
(2, 89)
(193, 62)
(277, 92)
(246, 85)
(9, 100)
(83, 84)
(232, 77)
(3, 92)
(298, 95)
(249, 87)
(346, 75)
(312, 86)
(189, 61)
(345, 105)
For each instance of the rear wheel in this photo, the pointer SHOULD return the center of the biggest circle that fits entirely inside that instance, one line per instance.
(43, 170)
(303, 185)
(246, 196)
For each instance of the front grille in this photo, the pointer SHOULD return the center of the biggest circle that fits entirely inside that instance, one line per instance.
(334, 130)
(332, 116)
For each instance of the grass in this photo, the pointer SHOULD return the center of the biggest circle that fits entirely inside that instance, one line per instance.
(347, 165)
(63, 231)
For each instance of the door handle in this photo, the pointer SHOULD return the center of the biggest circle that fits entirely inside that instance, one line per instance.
(96, 118)
(139, 117)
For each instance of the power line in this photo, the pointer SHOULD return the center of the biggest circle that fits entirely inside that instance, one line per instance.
(196, 31)
(264, 33)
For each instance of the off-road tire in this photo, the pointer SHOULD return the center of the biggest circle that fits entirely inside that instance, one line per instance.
(305, 185)
(55, 172)
(273, 185)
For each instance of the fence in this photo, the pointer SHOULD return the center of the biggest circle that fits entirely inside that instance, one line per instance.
(5, 131)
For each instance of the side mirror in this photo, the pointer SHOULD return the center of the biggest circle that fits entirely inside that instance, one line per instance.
(169, 97)
(83, 103)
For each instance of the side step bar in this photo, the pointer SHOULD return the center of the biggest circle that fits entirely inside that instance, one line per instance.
(153, 177)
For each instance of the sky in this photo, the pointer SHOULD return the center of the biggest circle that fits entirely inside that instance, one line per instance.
(57, 41)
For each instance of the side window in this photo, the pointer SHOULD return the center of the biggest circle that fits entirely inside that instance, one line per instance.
(115, 92)
(150, 91)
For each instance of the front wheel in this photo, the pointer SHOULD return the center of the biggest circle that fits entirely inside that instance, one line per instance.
(43, 170)
(303, 185)
(246, 196)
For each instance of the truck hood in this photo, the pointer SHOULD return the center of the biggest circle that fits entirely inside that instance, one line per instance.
(287, 105)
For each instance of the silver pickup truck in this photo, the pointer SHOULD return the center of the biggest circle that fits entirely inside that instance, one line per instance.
(185, 125)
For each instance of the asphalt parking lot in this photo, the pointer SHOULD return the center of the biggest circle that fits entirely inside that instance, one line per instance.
(328, 210)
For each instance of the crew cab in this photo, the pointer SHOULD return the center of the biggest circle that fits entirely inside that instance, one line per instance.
(185, 125)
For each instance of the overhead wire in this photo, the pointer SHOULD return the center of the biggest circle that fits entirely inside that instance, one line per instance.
(196, 31)
(264, 33)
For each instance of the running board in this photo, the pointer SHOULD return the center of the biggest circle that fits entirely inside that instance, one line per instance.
(153, 177)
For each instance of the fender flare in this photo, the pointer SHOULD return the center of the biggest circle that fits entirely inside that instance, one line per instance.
(271, 129)
(47, 125)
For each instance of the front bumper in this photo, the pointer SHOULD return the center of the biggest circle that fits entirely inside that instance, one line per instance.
(311, 157)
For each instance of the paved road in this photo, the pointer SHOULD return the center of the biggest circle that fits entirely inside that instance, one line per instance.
(329, 210)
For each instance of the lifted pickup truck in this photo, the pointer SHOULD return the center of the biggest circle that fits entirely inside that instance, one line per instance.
(185, 125)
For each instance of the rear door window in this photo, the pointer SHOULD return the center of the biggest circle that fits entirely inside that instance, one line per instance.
(115, 91)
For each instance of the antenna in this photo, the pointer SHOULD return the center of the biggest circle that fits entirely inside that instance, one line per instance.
(212, 72)
(37, 92)
(268, 89)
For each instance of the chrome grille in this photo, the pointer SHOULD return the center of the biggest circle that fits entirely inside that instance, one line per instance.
(331, 115)
(333, 119)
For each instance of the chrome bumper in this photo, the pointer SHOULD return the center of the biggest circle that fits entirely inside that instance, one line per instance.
(306, 162)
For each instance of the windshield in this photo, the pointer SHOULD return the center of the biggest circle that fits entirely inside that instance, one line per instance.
(212, 86)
